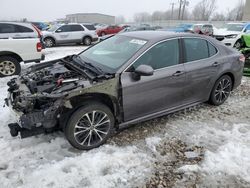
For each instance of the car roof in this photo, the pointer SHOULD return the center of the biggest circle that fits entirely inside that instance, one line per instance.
(157, 35)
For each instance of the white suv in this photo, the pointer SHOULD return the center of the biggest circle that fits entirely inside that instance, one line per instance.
(70, 33)
(231, 34)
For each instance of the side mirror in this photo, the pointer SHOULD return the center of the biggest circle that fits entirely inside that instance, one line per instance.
(143, 70)
(58, 31)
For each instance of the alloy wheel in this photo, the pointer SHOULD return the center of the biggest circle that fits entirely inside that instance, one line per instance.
(92, 128)
(7, 68)
(48, 43)
(223, 90)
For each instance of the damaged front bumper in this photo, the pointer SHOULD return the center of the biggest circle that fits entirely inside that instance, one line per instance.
(31, 122)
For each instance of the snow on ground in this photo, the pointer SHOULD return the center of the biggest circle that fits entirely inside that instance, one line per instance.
(128, 159)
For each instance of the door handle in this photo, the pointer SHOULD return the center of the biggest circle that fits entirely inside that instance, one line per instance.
(178, 73)
(216, 64)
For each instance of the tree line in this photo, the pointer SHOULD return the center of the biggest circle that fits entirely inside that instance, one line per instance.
(205, 10)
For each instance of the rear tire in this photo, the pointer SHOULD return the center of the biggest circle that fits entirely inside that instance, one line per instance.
(87, 41)
(9, 66)
(221, 90)
(90, 126)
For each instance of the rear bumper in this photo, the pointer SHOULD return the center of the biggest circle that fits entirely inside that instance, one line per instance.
(36, 60)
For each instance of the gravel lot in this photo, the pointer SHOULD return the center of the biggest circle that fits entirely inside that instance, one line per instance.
(203, 146)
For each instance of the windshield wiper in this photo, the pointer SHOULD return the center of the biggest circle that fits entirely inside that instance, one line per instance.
(90, 66)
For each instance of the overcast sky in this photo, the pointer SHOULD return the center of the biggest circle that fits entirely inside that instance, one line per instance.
(49, 10)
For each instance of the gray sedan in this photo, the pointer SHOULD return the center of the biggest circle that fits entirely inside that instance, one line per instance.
(126, 79)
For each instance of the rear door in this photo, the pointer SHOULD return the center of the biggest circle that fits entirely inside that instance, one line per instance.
(201, 65)
(76, 34)
(159, 92)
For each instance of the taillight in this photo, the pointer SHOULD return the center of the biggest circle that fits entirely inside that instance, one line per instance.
(242, 58)
(39, 47)
(38, 31)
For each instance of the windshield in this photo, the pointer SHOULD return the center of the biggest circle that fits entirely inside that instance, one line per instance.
(113, 52)
(234, 27)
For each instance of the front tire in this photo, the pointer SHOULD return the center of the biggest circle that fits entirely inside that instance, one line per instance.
(9, 66)
(90, 126)
(221, 90)
(49, 42)
(238, 44)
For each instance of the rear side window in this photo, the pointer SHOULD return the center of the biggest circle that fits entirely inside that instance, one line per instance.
(76, 28)
(196, 49)
(212, 49)
(90, 27)
(7, 28)
(22, 29)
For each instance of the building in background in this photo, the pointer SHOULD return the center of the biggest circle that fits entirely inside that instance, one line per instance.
(246, 16)
(91, 17)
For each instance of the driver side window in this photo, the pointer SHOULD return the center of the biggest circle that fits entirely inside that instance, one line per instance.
(162, 55)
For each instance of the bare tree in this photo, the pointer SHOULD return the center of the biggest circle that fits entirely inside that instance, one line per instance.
(120, 19)
(158, 15)
(219, 17)
(236, 14)
(204, 10)
(142, 17)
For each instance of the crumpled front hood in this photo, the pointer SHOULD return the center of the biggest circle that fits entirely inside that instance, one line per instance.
(52, 78)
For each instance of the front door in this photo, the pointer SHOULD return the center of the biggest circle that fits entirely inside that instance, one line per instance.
(159, 92)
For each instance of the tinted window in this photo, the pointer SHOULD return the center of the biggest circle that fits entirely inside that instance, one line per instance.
(90, 27)
(65, 28)
(196, 49)
(76, 28)
(162, 55)
(212, 49)
(22, 29)
(7, 28)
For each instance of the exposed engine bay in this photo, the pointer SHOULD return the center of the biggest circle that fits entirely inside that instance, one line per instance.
(40, 94)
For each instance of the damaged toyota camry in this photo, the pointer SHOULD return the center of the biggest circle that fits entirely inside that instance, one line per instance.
(129, 78)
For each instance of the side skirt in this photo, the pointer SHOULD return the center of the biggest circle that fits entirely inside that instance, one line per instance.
(155, 115)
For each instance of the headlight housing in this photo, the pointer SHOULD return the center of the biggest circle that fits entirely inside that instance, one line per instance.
(231, 36)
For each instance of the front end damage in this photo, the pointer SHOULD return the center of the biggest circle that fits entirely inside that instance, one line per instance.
(41, 94)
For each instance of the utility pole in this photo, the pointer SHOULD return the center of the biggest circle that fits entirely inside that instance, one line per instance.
(179, 16)
(172, 14)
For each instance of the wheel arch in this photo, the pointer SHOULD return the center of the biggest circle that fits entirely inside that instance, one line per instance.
(78, 101)
(49, 36)
(231, 75)
(87, 36)
(11, 54)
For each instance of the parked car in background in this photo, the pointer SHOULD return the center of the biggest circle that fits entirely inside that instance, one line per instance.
(113, 29)
(180, 28)
(231, 34)
(18, 30)
(14, 51)
(128, 29)
(126, 79)
(40, 25)
(203, 29)
(100, 26)
(70, 33)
